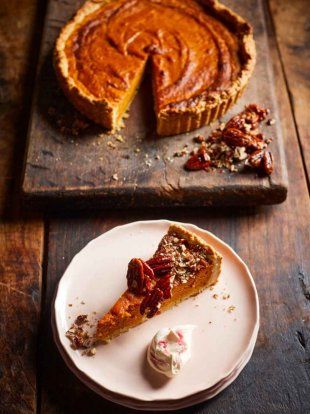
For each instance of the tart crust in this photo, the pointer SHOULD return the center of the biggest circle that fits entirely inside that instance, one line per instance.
(176, 118)
(125, 313)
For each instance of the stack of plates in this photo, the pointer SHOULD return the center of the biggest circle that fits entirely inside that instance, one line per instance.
(227, 320)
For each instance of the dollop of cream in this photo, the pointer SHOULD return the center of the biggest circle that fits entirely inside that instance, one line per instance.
(170, 349)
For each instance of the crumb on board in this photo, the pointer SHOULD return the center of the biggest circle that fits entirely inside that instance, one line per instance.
(119, 138)
(111, 144)
(271, 121)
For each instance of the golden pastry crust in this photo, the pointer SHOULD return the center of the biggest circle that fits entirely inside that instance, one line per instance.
(184, 116)
(125, 313)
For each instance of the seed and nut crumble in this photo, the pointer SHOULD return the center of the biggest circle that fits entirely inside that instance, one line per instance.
(186, 259)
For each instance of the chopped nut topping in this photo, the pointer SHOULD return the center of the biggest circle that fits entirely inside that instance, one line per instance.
(90, 352)
(271, 122)
(199, 139)
(115, 177)
(187, 260)
(81, 320)
(77, 335)
(233, 143)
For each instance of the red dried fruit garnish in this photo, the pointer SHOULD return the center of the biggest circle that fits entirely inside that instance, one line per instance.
(161, 265)
(139, 276)
(198, 161)
(151, 303)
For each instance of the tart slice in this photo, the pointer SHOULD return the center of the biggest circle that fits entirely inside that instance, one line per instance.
(183, 266)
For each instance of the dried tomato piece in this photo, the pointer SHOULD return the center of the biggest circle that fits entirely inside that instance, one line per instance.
(151, 303)
(138, 280)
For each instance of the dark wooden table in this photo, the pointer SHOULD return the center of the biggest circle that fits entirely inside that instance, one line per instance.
(35, 249)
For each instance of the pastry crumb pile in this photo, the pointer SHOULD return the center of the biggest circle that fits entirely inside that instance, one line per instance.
(80, 337)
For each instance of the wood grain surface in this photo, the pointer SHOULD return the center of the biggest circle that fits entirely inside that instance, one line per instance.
(21, 236)
(291, 22)
(273, 241)
(77, 170)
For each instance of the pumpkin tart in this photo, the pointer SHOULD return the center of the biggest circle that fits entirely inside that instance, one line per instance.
(183, 266)
(201, 53)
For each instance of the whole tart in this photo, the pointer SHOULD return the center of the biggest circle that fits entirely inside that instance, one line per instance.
(201, 54)
(183, 266)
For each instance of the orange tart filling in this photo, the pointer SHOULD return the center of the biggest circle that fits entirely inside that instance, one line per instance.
(182, 266)
(201, 55)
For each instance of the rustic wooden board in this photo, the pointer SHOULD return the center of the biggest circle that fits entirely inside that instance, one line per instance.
(273, 241)
(68, 170)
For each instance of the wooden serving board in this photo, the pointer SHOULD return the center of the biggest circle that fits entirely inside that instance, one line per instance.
(72, 169)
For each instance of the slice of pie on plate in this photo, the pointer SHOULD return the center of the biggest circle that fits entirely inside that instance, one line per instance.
(183, 266)
(201, 53)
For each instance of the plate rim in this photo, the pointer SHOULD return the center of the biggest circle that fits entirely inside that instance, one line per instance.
(56, 328)
(133, 403)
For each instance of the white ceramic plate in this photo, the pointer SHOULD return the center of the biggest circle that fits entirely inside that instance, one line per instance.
(96, 277)
(166, 405)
